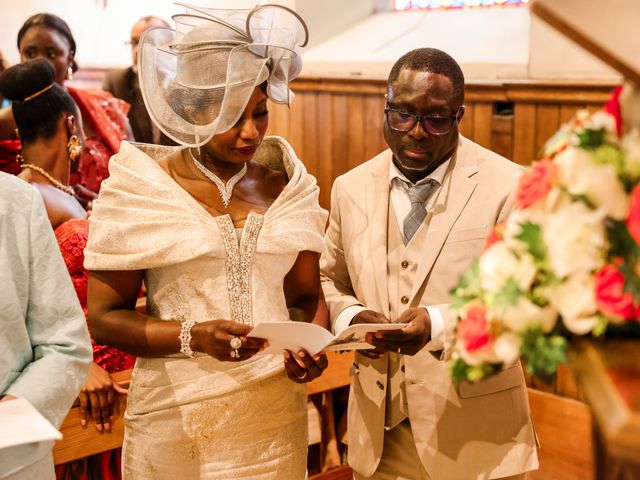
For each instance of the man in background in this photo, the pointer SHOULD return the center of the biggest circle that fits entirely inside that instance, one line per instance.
(124, 84)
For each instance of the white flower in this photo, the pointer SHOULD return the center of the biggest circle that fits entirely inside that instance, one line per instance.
(575, 301)
(498, 263)
(599, 183)
(575, 238)
(526, 314)
(507, 347)
(631, 146)
(600, 120)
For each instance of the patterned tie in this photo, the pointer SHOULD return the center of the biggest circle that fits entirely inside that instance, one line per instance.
(418, 194)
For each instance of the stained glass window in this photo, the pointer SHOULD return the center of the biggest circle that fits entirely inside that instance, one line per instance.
(434, 4)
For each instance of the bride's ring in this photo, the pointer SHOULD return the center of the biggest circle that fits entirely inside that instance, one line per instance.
(303, 376)
(235, 343)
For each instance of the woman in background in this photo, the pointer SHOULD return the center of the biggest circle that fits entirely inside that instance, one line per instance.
(51, 134)
(45, 35)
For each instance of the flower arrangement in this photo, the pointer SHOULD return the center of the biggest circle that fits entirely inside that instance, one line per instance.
(565, 262)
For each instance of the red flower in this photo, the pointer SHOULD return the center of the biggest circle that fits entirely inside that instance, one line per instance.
(611, 299)
(535, 183)
(473, 330)
(633, 220)
(612, 107)
(494, 237)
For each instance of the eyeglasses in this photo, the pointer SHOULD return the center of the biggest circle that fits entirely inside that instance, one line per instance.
(432, 123)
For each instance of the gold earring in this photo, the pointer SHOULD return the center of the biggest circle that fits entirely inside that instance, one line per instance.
(19, 157)
(69, 73)
(74, 148)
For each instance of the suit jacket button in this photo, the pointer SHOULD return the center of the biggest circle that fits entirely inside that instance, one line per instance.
(404, 264)
(380, 385)
(404, 300)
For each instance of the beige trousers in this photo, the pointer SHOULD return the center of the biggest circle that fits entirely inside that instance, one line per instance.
(400, 460)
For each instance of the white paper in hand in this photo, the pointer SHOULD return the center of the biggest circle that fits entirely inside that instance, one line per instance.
(22, 423)
(313, 338)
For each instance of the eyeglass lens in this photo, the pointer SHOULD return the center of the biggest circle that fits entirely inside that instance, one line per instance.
(405, 121)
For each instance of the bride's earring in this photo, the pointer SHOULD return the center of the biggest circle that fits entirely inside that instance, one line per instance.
(74, 148)
(69, 73)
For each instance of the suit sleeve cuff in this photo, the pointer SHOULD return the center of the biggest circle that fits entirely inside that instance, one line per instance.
(437, 329)
(343, 320)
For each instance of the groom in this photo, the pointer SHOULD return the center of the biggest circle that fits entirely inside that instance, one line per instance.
(404, 226)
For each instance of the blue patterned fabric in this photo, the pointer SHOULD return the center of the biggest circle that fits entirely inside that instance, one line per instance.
(45, 351)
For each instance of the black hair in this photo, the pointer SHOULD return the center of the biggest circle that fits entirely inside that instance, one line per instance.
(50, 20)
(431, 60)
(36, 117)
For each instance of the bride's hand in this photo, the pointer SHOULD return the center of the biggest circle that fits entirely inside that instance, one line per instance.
(302, 368)
(214, 338)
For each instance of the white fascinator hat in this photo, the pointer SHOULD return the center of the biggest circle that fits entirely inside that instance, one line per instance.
(197, 78)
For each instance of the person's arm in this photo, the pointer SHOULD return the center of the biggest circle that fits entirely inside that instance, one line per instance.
(304, 294)
(303, 291)
(112, 297)
(55, 324)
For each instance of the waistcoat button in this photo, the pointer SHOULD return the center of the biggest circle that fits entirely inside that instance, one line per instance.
(404, 300)
(404, 264)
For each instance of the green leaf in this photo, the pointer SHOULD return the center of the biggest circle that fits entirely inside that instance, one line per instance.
(458, 369)
(589, 139)
(543, 353)
(631, 280)
(531, 235)
(507, 296)
(600, 327)
(609, 154)
(461, 370)
(621, 243)
(468, 288)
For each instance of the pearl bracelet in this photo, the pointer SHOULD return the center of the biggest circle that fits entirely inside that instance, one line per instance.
(185, 337)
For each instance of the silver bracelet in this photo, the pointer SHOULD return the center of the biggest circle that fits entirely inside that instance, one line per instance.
(185, 337)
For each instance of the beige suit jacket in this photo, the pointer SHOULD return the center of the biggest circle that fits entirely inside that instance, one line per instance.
(474, 431)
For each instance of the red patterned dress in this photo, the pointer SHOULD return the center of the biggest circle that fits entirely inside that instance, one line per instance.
(72, 239)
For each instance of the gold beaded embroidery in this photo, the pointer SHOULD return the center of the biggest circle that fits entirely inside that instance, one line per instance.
(239, 262)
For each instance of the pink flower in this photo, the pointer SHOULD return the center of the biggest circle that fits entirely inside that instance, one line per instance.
(633, 220)
(536, 183)
(611, 299)
(473, 329)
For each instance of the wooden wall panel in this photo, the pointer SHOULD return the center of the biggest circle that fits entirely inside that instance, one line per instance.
(547, 123)
(524, 133)
(482, 123)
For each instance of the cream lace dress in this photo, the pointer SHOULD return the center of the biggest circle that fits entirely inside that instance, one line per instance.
(199, 417)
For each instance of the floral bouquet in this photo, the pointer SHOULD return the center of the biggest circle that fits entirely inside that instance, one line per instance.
(565, 262)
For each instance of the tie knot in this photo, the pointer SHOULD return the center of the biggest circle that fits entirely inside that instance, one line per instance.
(420, 193)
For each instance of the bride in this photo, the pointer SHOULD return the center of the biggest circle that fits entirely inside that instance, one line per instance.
(225, 233)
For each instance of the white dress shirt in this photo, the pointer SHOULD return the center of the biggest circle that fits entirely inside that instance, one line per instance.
(399, 201)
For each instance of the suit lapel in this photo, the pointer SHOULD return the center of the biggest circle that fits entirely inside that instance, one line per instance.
(457, 188)
(377, 202)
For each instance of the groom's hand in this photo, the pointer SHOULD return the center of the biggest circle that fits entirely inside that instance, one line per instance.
(369, 316)
(411, 338)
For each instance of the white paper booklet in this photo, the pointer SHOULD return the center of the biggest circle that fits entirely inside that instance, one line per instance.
(313, 338)
(22, 423)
